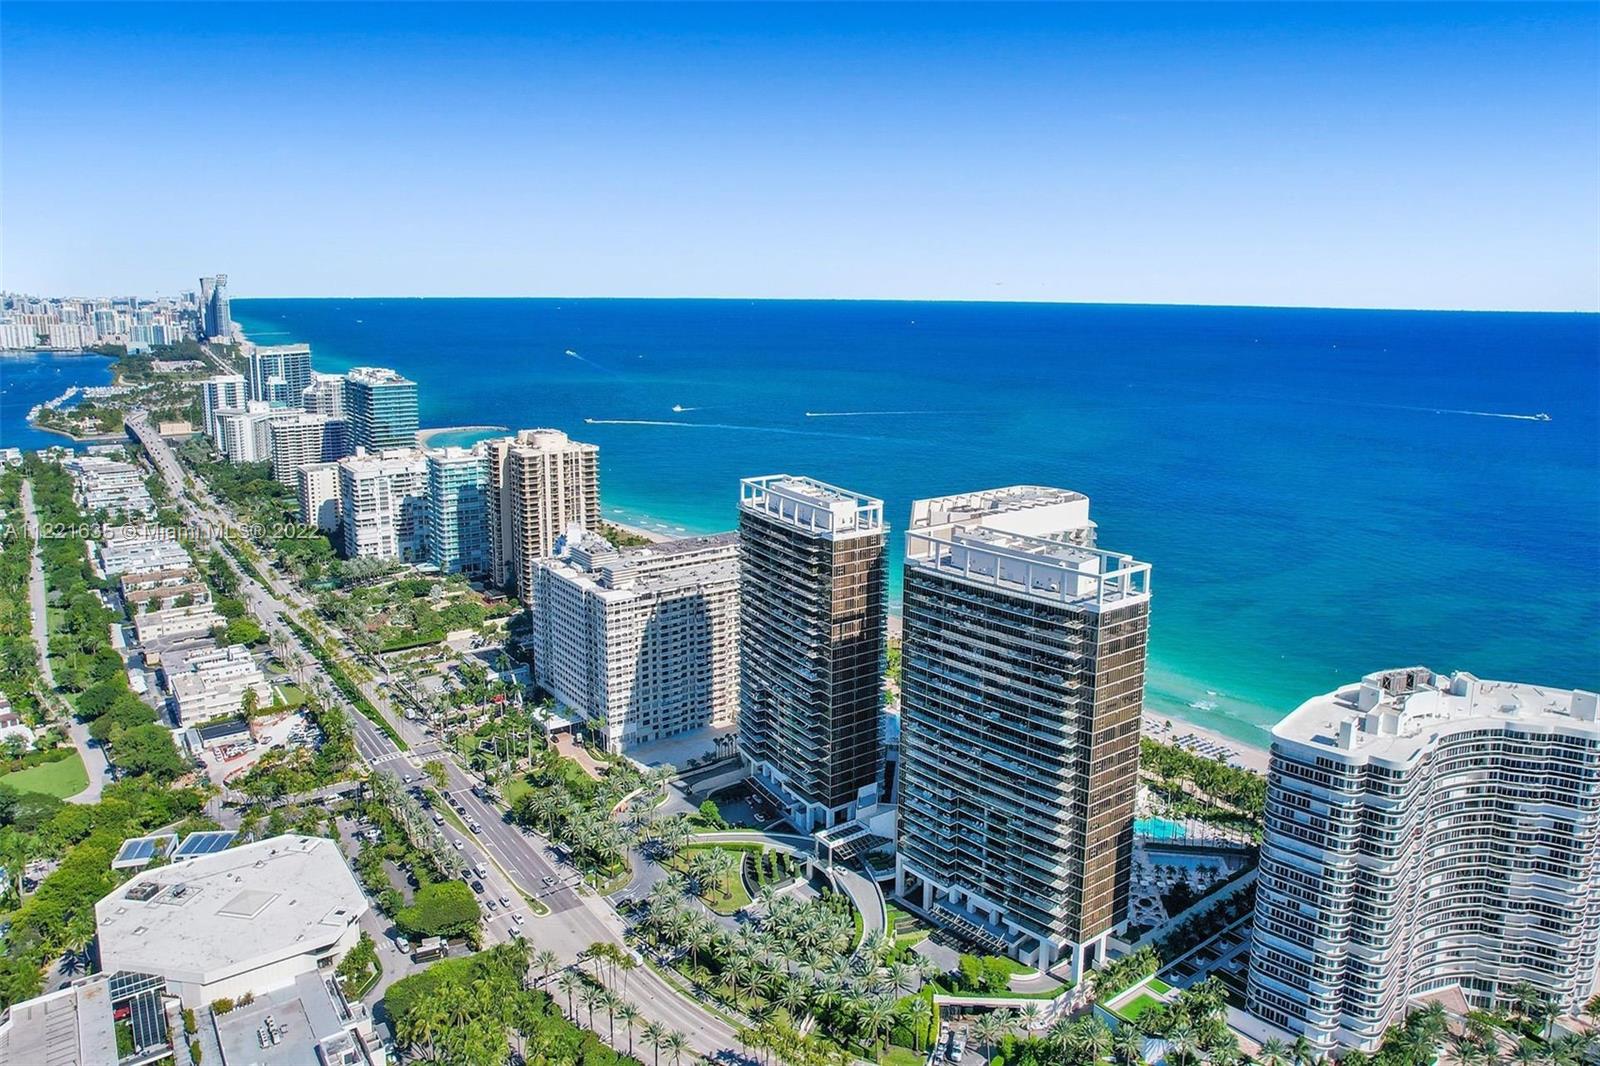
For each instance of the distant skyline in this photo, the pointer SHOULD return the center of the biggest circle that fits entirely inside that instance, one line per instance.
(1428, 156)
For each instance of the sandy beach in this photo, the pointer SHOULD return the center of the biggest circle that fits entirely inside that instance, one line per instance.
(1170, 729)
(426, 435)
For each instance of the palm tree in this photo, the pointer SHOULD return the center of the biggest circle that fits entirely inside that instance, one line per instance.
(655, 1034)
(988, 1028)
(629, 1014)
(676, 1044)
(568, 982)
(1094, 1038)
(547, 961)
(875, 1020)
(590, 998)
(1274, 1052)
(1127, 1047)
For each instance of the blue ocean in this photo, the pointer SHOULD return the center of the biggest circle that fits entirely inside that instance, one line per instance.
(1322, 493)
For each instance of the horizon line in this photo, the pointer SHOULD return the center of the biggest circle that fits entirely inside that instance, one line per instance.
(944, 300)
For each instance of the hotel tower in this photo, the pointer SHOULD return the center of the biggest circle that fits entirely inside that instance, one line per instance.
(1022, 680)
(813, 633)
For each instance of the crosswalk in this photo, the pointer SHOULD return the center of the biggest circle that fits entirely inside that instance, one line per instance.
(393, 755)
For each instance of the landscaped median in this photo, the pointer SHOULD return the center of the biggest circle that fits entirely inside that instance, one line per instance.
(341, 680)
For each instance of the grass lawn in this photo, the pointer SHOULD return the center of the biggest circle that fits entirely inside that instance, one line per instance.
(1136, 1006)
(726, 897)
(905, 927)
(288, 695)
(60, 779)
(1158, 986)
(513, 790)
(903, 1056)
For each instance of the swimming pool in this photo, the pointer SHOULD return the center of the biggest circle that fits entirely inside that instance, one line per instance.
(1159, 829)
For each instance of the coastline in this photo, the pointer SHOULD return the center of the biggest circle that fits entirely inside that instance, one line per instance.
(1157, 711)
(426, 435)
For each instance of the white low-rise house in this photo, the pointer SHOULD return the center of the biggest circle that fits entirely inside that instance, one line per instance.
(251, 919)
(213, 683)
(193, 620)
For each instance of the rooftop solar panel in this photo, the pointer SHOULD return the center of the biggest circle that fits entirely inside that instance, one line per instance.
(141, 851)
(203, 843)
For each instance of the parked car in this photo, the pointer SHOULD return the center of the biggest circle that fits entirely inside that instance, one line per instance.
(403, 944)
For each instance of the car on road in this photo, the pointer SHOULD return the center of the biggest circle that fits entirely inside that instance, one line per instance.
(460, 845)
(491, 904)
(548, 881)
(517, 918)
(516, 932)
(505, 901)
(406, 779)
(483, 869)
(403, 944)
(477, 886)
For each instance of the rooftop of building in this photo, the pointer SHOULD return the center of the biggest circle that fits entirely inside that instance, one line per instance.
(1003, 507)
(382, 461)
(545, 440)
(62, 1028)
(281, 349)
(285, 1027)
(1396, 715)
(215, 914)
(614, 573)
(377, 375)
(812, 506)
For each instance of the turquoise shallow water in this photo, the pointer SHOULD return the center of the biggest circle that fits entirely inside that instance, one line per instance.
(1322, 493)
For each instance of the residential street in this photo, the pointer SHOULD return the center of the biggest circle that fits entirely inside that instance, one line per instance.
(94, 759)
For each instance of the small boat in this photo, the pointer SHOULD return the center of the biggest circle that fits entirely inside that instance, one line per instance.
(571, 352)
(1541, 417)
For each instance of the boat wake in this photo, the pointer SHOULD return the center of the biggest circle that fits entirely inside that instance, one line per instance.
(869, 414)
(733, 426)
(1203, 705)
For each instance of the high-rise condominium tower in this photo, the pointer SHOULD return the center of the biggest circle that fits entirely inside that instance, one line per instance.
(813, 630)
(324, 395)
(299, 437)
(646, 638)
(381, 408)
(383, 505)
(216, 318)
(1425, 833)
(540, 483)
(1022, 678)
(279, 373)
(224, 392)
(458, 510)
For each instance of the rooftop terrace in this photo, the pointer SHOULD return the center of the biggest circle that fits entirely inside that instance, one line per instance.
(812, 506)
(1395, 715)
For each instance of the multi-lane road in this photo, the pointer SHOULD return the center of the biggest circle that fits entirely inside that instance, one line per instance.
(575, 919)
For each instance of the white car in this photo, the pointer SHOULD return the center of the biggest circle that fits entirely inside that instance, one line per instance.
(460, 846)
(517, 918)
(403, 944)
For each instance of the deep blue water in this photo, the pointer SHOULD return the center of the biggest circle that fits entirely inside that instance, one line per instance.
(26, 380)
(1311, 486)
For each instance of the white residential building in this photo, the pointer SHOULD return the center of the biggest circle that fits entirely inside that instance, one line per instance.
(383, 503)
(1426, 832)
(224, 392)
(317, 485)
(131, 552)
(246, 436)
(109, 485)
(214, 682)
(647, 638)
(302, 438)
(325, 395)
(250, 919)
(169, 623)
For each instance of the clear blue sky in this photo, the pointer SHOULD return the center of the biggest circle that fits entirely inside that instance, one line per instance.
(1424, 156)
